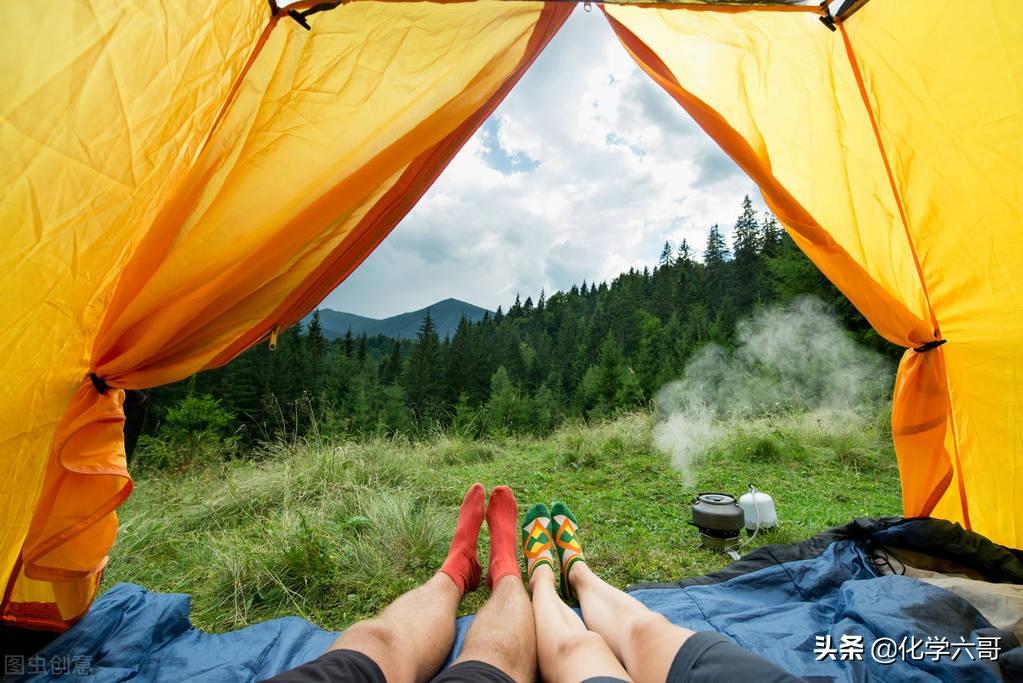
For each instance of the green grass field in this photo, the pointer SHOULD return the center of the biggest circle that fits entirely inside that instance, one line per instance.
(333, 532)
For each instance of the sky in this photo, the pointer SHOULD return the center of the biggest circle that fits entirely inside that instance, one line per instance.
(584, 171)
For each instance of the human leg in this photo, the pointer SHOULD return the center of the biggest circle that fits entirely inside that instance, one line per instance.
(644, 641)
(567, 652)
(409, 640)
(502, 634)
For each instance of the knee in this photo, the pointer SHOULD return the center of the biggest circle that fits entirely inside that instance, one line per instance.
(577, 644)
(374, 629)
(512, 653)
(372, 634)
(645, 628)
(385, 646)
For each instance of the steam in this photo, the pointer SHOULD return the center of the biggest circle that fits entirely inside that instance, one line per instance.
(787, 360)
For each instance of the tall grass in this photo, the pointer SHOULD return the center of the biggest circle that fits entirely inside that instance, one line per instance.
(332, 532)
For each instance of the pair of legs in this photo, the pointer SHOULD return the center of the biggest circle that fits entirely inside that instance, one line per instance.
(412, 637)
(620, 639)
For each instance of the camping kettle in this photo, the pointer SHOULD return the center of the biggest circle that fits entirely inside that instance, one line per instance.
(719, 520)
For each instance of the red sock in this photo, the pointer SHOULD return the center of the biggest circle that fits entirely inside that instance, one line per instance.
(462, 563)
(503, 520)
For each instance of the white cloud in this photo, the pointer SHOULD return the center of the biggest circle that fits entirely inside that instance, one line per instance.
(595, 167)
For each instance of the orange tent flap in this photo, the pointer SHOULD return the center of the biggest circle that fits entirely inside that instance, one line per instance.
(774, 89)
(946, 89)
(882, 149)
(94, 136)
(324, 143)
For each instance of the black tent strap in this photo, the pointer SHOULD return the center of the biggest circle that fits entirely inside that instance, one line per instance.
(98, 383)
(826, 17)
(300, 15)
(929, 345)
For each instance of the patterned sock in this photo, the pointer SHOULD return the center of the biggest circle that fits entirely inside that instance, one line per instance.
(503, 520)
(565, 531)
(462, 563)
(537, 545)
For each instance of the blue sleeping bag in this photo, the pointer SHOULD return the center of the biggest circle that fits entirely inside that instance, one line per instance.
(774, 602)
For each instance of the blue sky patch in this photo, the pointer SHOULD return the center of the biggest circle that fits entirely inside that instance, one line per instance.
(497, 157)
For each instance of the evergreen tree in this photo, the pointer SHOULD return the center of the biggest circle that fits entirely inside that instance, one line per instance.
(545, 411)
(716, 253)
(462, 376)
(684, 255)
(666, 255)
(589, 351)
(362, 350)
(424, 374)
(610, 366)
(652, 359)
(348, 344)
(746, 265)
(393, 417)
(747, 233)
(716, 273)
(504, 405)
(391, 370)
(770, 236)
(314, 356)
(516, 310)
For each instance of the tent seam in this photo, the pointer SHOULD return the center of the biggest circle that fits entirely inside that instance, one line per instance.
(854, 64)
(865, 98)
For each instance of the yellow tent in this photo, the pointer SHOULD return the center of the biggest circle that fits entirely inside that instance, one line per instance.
(183, 178)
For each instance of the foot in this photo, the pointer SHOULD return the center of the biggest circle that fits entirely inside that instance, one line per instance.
(503, 520)
(462, 564)
(565, 531)
(537, 544)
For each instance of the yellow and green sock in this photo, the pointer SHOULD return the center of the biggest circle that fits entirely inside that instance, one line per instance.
(565, 531)
(537, 544)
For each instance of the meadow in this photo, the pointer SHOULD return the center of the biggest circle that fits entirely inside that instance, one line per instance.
(332, 531)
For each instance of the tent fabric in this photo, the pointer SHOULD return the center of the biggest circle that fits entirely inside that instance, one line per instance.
(775, 601)
(187, 178)
(889, 149)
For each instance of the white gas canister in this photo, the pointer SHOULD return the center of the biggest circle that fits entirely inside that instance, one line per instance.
(758, 508)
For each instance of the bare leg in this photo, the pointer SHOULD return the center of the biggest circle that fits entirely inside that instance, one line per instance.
(411, 638)
(502, 634)
(643, 640)
(568, 653)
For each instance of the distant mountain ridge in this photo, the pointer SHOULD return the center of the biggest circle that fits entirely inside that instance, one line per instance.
(445, 314)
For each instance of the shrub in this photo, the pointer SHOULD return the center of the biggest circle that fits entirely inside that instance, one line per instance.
(195, 430)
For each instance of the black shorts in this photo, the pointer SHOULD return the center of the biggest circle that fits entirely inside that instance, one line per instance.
(709, 657)
(352, 666)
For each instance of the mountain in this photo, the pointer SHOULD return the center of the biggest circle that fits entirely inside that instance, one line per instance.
(445, 314)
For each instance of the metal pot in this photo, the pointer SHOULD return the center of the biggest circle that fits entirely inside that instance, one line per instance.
(719, 520)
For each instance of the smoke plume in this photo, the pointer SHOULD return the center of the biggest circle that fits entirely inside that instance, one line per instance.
(790, 359)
